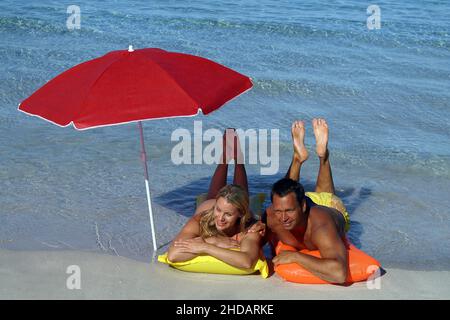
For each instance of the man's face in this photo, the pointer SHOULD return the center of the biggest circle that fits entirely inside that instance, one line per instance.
(287, 210)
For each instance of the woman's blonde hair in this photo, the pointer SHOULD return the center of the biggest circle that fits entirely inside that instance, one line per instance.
(233, 194)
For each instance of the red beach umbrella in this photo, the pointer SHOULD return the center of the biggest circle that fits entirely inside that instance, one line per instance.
(133, 85)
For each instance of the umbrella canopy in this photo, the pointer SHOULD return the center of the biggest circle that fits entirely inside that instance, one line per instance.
(133, 85)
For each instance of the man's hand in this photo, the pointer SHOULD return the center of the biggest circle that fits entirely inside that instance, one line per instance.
(285, 257)
(258, 227)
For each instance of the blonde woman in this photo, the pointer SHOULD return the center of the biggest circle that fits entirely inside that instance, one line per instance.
(223, 221)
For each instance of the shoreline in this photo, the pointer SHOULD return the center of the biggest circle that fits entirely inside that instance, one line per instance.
(43, 275)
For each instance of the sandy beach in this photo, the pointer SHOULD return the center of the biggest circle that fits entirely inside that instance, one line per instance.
(42, 275)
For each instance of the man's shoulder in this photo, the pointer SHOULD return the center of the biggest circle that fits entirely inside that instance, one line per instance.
(320, 216)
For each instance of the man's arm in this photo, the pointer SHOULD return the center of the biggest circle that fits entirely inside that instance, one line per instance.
(332, 266)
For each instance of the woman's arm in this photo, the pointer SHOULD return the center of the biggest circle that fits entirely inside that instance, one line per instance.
(223, 242)
(190, 231)
(246, 258)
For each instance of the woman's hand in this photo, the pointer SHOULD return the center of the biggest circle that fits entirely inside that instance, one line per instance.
(258, 227)
(223, 242)
(285, 257)
(195, 245)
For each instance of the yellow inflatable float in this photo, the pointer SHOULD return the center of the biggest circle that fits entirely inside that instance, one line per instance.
(208, 264)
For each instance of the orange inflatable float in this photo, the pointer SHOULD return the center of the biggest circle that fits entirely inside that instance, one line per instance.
(360, 266)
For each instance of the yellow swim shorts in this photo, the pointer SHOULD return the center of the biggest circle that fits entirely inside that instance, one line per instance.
(332, 201)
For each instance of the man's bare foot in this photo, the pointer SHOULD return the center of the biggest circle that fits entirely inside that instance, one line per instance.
(298, 138)
(320, 127)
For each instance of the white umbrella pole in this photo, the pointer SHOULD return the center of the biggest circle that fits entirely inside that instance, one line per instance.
(147, 188)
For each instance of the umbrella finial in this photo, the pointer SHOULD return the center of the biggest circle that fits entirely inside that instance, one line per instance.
(130, 48)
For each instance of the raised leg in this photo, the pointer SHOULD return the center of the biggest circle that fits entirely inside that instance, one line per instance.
(300, 152)
(219, 179)
(240, 175)
(324, 178)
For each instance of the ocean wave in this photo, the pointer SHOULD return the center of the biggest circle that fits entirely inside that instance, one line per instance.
(303, 87)
(393, 34)
(395, 161)
(30, 25)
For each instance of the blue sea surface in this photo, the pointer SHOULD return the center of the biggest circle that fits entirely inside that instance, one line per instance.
(385, 94)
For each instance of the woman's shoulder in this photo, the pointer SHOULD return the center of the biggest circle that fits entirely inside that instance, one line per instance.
(205, 205)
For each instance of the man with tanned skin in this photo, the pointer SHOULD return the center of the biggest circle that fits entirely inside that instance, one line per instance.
(315, 220)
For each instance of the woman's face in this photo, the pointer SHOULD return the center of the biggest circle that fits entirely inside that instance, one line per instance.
(226, 215)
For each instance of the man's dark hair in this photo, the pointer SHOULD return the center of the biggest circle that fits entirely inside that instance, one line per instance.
(285, 186)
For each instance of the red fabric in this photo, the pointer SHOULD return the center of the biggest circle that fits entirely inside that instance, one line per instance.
(124, 86)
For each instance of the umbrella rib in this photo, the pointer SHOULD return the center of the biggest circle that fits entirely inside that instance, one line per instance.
(197, 105)
(178, 85)
(92, 86)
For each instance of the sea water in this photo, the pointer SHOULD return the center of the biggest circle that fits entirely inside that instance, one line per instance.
(384, 92)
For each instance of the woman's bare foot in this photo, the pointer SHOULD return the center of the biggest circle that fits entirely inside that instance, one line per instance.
(320, 127)
(298, 138)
